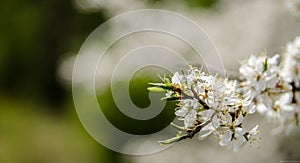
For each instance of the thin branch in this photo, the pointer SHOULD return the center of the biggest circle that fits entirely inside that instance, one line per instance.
(191, 133)
(199, 100)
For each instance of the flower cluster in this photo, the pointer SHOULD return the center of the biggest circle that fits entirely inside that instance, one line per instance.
(274, 86)
(212, 105)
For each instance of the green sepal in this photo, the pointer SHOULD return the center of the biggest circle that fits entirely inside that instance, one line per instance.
(265, 65)
(172, 98)
(169, 141)
(178, 127)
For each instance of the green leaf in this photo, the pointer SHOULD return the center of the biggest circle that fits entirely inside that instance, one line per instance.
(167, 86)
(156, 89)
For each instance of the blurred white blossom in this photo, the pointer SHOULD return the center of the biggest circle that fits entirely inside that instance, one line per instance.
(274, 85)
(294, 6)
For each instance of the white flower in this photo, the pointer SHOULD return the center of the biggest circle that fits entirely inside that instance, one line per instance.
(261, 108)
(239, 140)
(284, 102)
(247, 102)
(267, 85)
(177, 79)
(293, 6)
(288, 68)
(265, 99)
(294, 47)
(254, 131)
(260, 72)
(238, 137)
(189, 116)
(193, 76)
(215, 122)
(206, 114)
(252, 135)
(188, 111)
(225, 138)
(225, 119)
(206, 131)
(290, 65)
(218, 103)
(234, 139)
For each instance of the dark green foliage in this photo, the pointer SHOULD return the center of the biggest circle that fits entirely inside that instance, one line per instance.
(201, 3)
(139, 95)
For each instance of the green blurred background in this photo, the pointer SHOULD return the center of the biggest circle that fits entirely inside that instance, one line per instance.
(38, 122)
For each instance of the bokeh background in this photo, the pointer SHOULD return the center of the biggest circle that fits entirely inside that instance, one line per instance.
(39, 41)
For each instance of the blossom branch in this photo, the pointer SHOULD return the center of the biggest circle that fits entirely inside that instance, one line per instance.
(190, 133)
(210, 105)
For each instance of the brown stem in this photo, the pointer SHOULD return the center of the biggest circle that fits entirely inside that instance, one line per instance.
(294, 90)
(199, 100)
(191, 133)
(183, 94)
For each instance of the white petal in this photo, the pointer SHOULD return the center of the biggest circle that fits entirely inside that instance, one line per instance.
(239, 132)
(271, 82)
(273, 60)
(190, 118)
(261, 85)
(286, 98)
(288, 108)
(216, 121)
(247, 71)
(247, 102)
(226, 138)
(195, 104)
(260, 64)
(252, 109)
(208, 127)
(239, 120)
(176, 79)
(205, 132)
(225, 118)
(254, 131)
(252, 60)
(237, 144)
(210, 102)
(181, 112)
(199, 89)
(206, 113)
(262, 108)
(266, 99)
